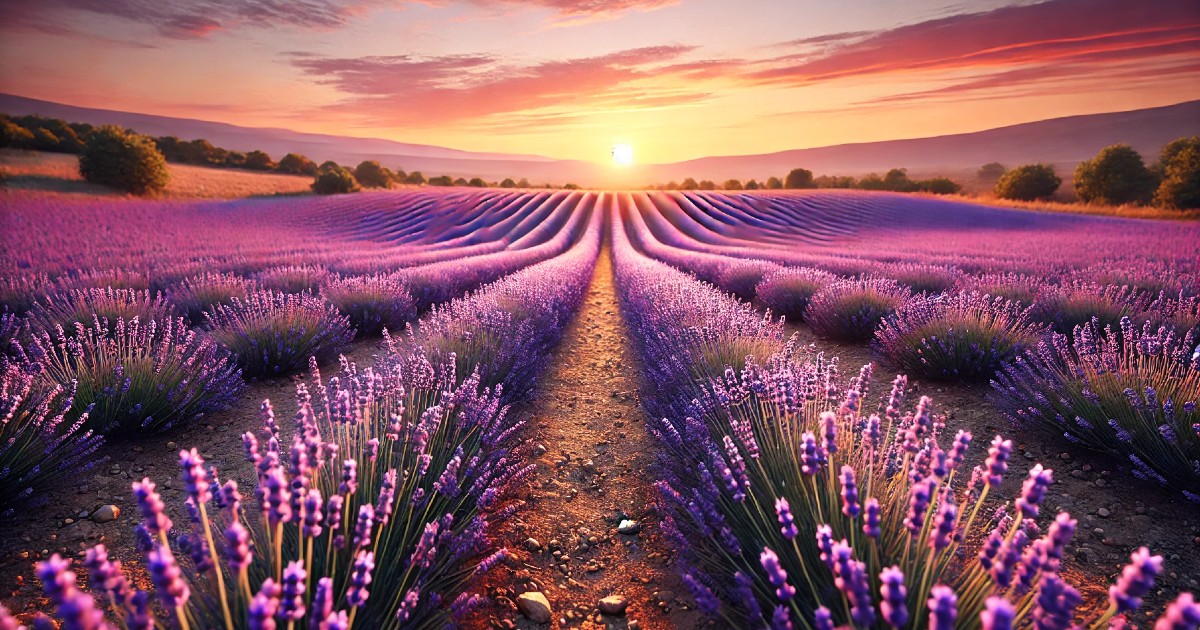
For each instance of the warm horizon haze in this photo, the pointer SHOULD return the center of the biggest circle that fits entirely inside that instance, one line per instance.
(571, 79)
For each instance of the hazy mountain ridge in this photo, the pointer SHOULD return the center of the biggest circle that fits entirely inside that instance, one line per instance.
(1065, 140)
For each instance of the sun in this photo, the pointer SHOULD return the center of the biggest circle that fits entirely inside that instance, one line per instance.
(622, 154)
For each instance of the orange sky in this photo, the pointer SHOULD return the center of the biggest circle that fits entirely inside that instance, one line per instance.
(675, 79)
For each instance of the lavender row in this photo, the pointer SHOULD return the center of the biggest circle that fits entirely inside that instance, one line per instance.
(378, 514)
(794, 501)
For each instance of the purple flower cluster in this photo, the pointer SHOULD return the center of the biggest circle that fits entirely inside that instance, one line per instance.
(275, 333)
(372, 303)
(788, 291)
(851, 310)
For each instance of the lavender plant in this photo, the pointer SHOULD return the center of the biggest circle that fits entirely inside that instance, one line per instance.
(107, 305)
(923, 277)
(137, 376)
(293, 278)
(792, 505)
(851, 310)
(742, 277)
(1065, 307)
(1015, 287)
(372, 303)
(272, 334)
(197, 294)
(19, 292)
(376, 516)
(788, 291)
(957, 336)
(1128, 391)
(39, 447)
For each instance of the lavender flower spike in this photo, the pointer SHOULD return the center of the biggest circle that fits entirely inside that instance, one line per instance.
(777, 575)
(943, 608)
(997, 460)
(360, 578)
(151, 506)
(850, 506)
(891, 588)
(195, 477)
(1034, 490)
(998, 614)
(292, 604)
(787, 525)
(168, 579)
(1136, 580)
(1182, 614)
(264, 607)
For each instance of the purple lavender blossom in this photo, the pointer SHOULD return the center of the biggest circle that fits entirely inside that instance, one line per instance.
(783, 512)
(237, 547)
(1055, 603)
(1182, 614)
(292, 602)
(168, 580)
(321, 605)
(1137, 578)
(1034, 490)
(349, 483)
(850, 506)
(360, 578)
(871, 522)
(894, 594)
(919, 495)
(151, 506)
(264, 607)
(822, 619)
(777, 575)
(998, 614)
(943, 608)
(997, 460)
(311, 514)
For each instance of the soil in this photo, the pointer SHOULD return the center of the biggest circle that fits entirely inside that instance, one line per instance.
(1135, 513)
(592, 474)
(59, 523)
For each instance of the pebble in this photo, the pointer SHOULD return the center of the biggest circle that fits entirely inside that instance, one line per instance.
(533, 545)
(628, 527)
(1103, 512)
(535, 606)
(106, 513)
(614, 605)
(171, 446)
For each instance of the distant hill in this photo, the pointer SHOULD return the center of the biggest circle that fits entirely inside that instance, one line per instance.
(1062, 141)
(1066, 140)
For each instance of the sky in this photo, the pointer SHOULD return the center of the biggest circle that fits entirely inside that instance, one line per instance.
(673, 79)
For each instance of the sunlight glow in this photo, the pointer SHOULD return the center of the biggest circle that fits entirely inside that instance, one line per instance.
(622, 154)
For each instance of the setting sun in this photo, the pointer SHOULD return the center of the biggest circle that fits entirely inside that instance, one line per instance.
(622, 154)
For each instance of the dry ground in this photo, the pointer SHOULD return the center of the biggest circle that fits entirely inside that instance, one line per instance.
(59, 173)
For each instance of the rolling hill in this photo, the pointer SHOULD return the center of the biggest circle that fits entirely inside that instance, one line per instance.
(1062, 141)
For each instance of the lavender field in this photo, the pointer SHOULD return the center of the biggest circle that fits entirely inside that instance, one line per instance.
(490, 408)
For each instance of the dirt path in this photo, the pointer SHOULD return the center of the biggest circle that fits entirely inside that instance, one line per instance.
(592, 455)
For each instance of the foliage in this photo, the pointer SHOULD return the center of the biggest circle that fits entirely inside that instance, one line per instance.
(1074, 304)
(1115, 176)
(799, 178)
(774, 183)
(1028, 182)
(106, 306)
(137, 377)
(939, 186)
(126, 161)
(334, 180)
(274, 334)
(296, 164)
(851, 309)
(732, 184)
(258, 161)
(372, 303)
(200, 293)
(991, 171)
(1126, 391)
(788, 291)
(371, 175)
(1180, 169)
(415, 178)
(958, 336)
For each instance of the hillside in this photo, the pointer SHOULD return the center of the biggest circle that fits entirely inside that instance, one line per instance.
(1062, 141)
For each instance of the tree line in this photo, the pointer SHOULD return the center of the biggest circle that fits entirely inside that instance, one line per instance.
(1116, 176)
(123, 159)
(896, 180)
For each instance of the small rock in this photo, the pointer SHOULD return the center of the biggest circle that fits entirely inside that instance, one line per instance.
(1103, 512)
(83, 513)
(115, 470)
(535, 606)
(106, 513)
(614, 605)
(171, 446)
(539, 450)
(533, 545)
(627, 526)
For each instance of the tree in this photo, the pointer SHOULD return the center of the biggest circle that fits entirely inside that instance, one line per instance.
(1028, 182)
(259, 161)
(476, 183)
(1179, 165)
(732, 184)
(671, 185)
(939, 186)
(370, 174)
(752, 185)
(399, 175)
(235, 159)
(508, 183)
(689, 184)
(415, 178)
(524, 183)
(872, 181)
(799, 178)
(441, 180)
(897, 180)
(991, 171)
(461, 181)
(1115, 176)
(707, 184)
(570, 186)
(120, 159)
(774, 183)
(297, 164)
(44, 139)
(333, 180)
(15, 136)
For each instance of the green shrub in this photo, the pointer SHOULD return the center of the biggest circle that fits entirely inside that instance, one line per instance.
(1115, 176)
(334, 180)
(258, 161)
(15, 136)
(799, 178)
(296, 164)
(120, 159)
(1028, 182)
(939, 186)
(1180, 169)
(371, 175)
(415, 178)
